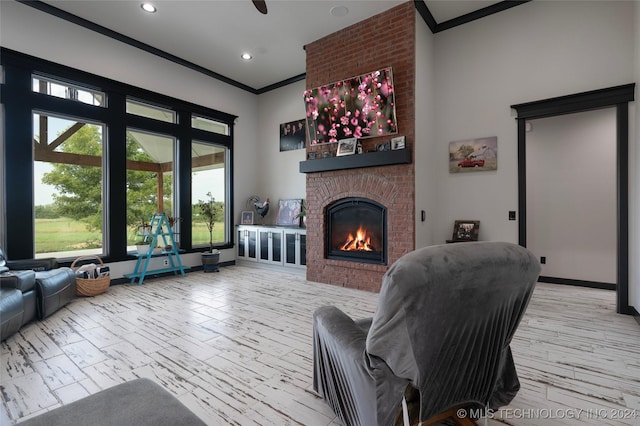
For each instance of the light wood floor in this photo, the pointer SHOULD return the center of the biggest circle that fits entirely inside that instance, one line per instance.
(235, 347)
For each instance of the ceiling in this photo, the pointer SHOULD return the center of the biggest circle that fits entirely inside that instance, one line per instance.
(211, 35)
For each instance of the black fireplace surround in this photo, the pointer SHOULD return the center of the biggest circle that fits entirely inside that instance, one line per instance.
(356, 230)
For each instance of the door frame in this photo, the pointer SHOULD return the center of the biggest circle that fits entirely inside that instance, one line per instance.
(618, 97)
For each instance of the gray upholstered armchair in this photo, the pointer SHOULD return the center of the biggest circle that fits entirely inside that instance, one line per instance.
(440, 336)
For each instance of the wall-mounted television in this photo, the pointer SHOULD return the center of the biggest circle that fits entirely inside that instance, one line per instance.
(359, 107)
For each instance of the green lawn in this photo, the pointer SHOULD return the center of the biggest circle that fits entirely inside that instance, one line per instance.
(63, 234)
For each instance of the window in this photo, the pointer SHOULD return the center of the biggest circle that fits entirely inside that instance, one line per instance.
(209, 125)
(68, 213)
(150, 111)
(149, 179)
(209, 180)
(74, 92)
(104, 156)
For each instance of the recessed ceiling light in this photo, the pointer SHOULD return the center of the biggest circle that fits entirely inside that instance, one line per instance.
(148, 7)
(339, 11)
(246, 56)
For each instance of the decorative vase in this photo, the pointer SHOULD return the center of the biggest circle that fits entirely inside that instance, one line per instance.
(142, 248)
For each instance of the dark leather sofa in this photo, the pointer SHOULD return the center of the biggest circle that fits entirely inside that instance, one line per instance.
(17, 300)
(26, 295)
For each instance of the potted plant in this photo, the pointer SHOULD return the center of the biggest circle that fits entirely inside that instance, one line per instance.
(142, 246)
(209, 211)
(144, 228)
(303, 213)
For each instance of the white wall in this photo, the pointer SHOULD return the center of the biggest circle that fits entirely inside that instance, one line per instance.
(424, 134)
(534, 51)
(27, 30)
(278, 172)
(571, 195)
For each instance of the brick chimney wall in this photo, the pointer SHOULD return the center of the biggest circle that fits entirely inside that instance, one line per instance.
(387, 39)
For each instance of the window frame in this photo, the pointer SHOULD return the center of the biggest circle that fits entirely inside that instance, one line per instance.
(19, 102)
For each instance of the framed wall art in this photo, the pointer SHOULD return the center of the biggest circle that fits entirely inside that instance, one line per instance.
(362, 106)
(470, 155)
(293, 135)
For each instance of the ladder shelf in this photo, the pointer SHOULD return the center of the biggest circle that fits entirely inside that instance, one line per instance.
(160, 231)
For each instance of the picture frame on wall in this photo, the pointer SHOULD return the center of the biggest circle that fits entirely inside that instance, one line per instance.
(473, 155)
(347, 147)
(293, 135)
(246, 218)
(288, 212)
(352, 97)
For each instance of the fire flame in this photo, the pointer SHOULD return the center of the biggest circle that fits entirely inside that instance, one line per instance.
(361, 242)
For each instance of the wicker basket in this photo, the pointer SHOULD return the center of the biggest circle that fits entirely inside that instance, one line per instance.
(91, 286)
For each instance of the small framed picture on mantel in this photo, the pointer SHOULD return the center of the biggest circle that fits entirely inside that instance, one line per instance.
(398, 143)
(347, 146)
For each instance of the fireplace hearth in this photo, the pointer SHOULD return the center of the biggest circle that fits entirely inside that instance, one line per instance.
(356, 230)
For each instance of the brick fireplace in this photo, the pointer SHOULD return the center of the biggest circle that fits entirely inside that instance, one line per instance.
(387, 39)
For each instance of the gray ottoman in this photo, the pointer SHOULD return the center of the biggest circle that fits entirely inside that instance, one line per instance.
(56, 288)
(140, 402)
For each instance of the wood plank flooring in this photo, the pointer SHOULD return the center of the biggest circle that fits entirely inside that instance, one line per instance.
(235, 347)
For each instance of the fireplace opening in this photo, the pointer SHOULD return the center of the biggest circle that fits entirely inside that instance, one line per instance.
(356, 230)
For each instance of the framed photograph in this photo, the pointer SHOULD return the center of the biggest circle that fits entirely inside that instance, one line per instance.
(293, 135)
(288, 211)
(386, 146)
(397, 143)
(347, 146)
(466, 230)
(473, 155)
(246, 218)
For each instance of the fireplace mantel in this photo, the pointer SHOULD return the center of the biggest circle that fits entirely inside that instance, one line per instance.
(356, 161)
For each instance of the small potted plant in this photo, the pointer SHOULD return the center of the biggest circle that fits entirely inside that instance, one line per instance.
(144, 228)
(209, 211)
(172, 221)
(142, 246)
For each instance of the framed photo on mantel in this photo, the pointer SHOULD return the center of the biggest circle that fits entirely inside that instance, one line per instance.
(347, 146)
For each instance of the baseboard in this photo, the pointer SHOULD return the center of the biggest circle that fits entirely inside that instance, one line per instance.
(635, 314)
(578, 283)
(123, 280)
